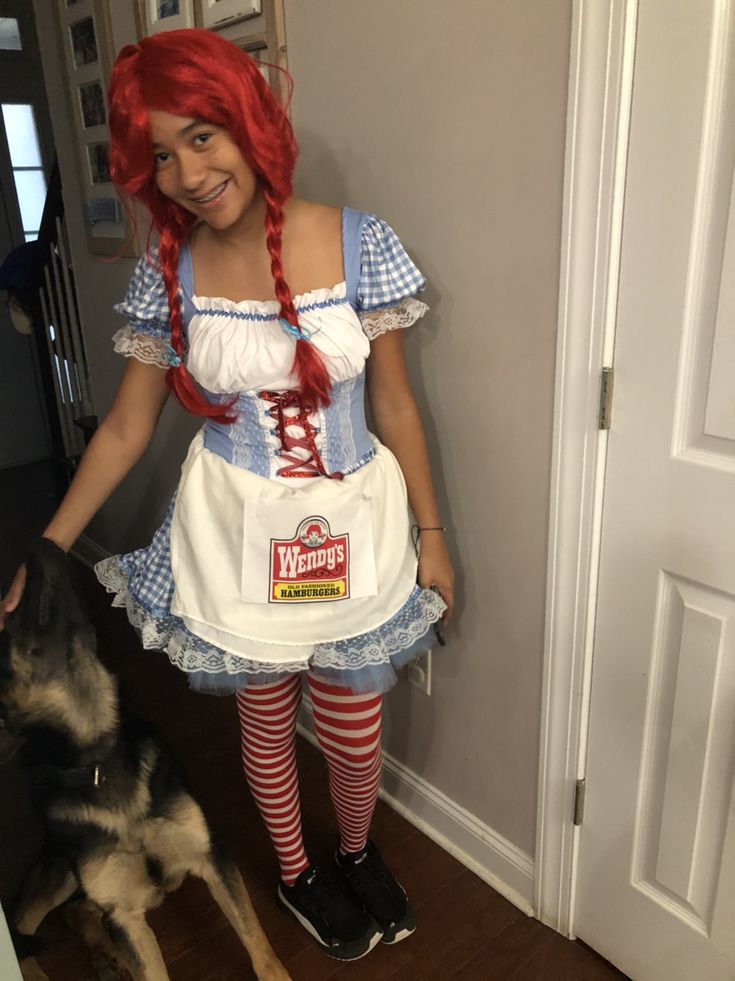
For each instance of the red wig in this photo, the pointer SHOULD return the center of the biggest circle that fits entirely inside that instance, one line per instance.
(200, 75)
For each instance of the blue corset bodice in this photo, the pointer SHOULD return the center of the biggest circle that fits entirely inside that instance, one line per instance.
(255, 442)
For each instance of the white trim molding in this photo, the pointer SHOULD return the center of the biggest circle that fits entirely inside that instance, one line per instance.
(479, 848)
(598, 120)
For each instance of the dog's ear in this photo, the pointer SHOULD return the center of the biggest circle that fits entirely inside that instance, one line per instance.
(52, 586)
(47, 567)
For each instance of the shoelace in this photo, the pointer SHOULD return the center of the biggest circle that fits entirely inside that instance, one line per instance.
(313, 466)
(363, 866)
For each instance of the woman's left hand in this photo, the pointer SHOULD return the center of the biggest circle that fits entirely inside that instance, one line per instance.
(435, 569)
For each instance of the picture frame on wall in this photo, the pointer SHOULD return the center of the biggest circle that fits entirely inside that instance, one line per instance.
(164, 15)
(98, 160)
(264, 40)
(88, 61)
(83, 40)
(215, 14)
(256, 45)
(92, 103)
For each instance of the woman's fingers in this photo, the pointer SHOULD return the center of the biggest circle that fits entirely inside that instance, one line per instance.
(435, 572)
(446, 591)
(10, 601)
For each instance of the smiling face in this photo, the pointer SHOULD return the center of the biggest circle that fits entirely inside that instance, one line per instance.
(201, 169)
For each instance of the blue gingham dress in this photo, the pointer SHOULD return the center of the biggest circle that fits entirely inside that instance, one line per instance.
(382, 294)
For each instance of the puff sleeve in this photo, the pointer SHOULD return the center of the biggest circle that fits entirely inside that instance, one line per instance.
(388, 281)
(145, 308)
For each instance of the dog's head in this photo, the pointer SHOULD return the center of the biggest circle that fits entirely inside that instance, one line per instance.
(48, 663)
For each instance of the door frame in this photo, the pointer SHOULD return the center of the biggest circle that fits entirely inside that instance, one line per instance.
(598, 126)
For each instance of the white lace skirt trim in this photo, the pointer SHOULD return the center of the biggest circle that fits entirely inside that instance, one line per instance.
(192, 654)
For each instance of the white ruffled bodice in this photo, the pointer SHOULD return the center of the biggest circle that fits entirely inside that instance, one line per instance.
(241, 346)
(237, 347)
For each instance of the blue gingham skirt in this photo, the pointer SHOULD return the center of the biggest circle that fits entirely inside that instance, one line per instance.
(142, 582)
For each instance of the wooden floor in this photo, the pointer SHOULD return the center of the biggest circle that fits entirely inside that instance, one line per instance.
(465, 929)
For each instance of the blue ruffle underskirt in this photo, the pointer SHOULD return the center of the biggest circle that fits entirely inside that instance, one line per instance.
(367, 662)
(370, 678)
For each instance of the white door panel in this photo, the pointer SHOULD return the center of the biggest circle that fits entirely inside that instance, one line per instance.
(720, 404)
(656, 887)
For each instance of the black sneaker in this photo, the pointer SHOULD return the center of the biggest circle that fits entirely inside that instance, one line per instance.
(337, 923)
(379, 893)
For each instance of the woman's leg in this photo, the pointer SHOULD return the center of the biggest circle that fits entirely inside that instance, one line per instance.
(348, 728)
(268, 727)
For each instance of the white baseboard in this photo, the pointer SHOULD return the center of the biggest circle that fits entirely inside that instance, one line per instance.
(88, 551)
(483, 851)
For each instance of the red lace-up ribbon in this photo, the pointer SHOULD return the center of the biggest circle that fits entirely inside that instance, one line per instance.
(296, 466)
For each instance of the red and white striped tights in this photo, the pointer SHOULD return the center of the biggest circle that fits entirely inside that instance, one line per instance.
(348, 730)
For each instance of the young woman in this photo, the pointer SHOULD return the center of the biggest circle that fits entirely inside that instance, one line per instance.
(287, 550)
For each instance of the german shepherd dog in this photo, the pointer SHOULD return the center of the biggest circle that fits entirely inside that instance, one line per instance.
(122, 830)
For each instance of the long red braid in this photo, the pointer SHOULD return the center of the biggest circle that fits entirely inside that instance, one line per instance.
(172, 72)
(308, 367)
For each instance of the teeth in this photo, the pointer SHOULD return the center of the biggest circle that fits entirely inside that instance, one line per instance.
(212, 196)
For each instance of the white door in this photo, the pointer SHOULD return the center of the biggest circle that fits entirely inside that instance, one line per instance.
(656, 886)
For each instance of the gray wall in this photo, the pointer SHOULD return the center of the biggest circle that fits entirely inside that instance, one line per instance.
(449, 122)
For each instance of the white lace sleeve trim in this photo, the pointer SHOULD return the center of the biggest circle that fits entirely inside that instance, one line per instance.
(403, 314)
(149, 350)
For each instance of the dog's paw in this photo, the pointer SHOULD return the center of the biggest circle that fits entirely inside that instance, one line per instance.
(30, 971)
(26, 946)
(106, 969)
(274, 971)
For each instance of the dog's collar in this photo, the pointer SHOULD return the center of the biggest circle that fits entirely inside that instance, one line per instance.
(82, 776)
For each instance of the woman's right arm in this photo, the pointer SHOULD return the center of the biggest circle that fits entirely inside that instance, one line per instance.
(115, 448)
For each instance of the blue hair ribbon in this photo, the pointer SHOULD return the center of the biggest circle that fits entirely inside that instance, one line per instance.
(171, 357)
(303, 334)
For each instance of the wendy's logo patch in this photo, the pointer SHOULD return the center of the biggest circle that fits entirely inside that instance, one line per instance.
(313, 566)
(313, 532)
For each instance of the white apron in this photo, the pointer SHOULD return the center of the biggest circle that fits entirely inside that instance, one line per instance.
(268, 570)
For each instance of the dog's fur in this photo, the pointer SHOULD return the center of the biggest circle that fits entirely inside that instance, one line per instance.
(122, 828)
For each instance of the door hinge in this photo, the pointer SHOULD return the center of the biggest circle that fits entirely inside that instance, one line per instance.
(606, 395)
(579, 789)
